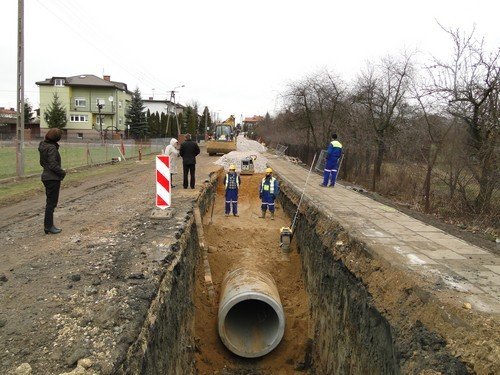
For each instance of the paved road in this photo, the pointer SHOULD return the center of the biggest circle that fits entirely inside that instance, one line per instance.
(403, 241)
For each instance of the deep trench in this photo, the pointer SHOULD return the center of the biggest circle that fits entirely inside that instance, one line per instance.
(250, 243)
(332, 326)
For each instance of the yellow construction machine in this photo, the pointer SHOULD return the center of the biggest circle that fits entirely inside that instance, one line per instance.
(223, 139)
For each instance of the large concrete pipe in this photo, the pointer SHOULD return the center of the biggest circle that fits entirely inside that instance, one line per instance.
(251, 318)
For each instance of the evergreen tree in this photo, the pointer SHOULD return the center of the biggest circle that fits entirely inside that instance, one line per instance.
(174, 120)
(205, 121)
(149, 121)
(135, 116)
(157, 125)
(28, 112)
(193, 121)
(154, 127)
(163, 125)
(190, 120)
(55, 115)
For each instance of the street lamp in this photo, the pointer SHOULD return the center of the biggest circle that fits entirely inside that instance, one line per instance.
(172, 92)
(100, 105)
(111, 99)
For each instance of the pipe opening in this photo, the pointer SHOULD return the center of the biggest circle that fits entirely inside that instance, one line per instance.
(253, 327)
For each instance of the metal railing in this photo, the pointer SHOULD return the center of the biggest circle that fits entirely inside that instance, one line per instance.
(280, 150)
(77, 154)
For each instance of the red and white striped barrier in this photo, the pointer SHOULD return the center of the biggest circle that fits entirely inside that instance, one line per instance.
(163, 182)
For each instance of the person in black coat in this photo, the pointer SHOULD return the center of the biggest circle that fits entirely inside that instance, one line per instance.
(188, 151)
(52, 175)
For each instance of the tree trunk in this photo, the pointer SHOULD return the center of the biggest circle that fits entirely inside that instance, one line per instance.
(377, 162)
(486, 184)
(427, 188)
(379, 158)
(452, 182)
(367, 161)
(431, 161)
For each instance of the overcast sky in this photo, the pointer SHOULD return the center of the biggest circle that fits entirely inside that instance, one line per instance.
(233, 56)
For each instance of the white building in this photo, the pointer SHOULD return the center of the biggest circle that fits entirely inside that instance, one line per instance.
(161, 106)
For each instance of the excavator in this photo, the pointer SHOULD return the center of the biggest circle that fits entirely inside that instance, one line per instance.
(223, 139)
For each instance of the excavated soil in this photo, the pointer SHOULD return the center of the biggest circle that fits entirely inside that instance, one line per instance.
(85, 292)
(251, 242)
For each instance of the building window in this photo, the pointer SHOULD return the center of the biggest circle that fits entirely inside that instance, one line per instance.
(120, 120)
(80, 102)
(59, 82)
(78, 118)
(79, 135)
(120, 103)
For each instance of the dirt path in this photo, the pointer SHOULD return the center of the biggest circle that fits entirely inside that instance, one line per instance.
(252, 242)
(82, 293)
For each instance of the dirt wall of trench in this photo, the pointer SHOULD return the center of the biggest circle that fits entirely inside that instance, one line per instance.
(166, 342)
(352, 332)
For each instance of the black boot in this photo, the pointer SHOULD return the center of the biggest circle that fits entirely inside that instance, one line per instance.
(52, 230)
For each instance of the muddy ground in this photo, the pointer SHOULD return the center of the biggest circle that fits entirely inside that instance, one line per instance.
(83, 293)
(250, 242)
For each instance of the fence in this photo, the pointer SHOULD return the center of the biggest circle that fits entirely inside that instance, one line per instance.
(321, 161)
(77, 154)
(280, 150)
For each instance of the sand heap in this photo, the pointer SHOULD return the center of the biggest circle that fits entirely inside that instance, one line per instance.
(245, 148)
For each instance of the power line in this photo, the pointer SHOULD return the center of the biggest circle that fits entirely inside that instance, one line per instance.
(140, 75)
(16, 91)
(76, 12)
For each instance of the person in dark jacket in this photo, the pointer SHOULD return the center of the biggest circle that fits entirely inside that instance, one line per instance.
(188, 151)
(52, 175)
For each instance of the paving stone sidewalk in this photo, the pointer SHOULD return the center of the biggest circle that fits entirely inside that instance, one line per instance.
(470, 271)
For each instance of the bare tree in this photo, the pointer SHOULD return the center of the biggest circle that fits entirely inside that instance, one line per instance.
(318, 100)
(470, 83)
(382, 91)
(436, 126)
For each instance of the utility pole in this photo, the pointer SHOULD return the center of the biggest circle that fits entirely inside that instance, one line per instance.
(172, 98)
(20, 90)
(206, 123)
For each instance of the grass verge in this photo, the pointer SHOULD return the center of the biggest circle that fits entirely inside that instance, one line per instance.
(25, 188)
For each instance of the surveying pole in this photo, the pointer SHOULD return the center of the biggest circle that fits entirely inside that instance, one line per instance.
(20, 90)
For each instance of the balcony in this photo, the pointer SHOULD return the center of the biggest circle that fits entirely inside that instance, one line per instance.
(84, 106)
(109, 108)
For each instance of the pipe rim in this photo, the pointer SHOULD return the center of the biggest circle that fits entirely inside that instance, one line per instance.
(278, 309)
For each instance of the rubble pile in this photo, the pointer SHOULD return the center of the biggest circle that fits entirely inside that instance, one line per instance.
(246, 148)
(244, 144)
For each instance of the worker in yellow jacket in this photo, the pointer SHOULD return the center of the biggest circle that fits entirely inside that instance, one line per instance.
(268, 191)
(232, 182)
